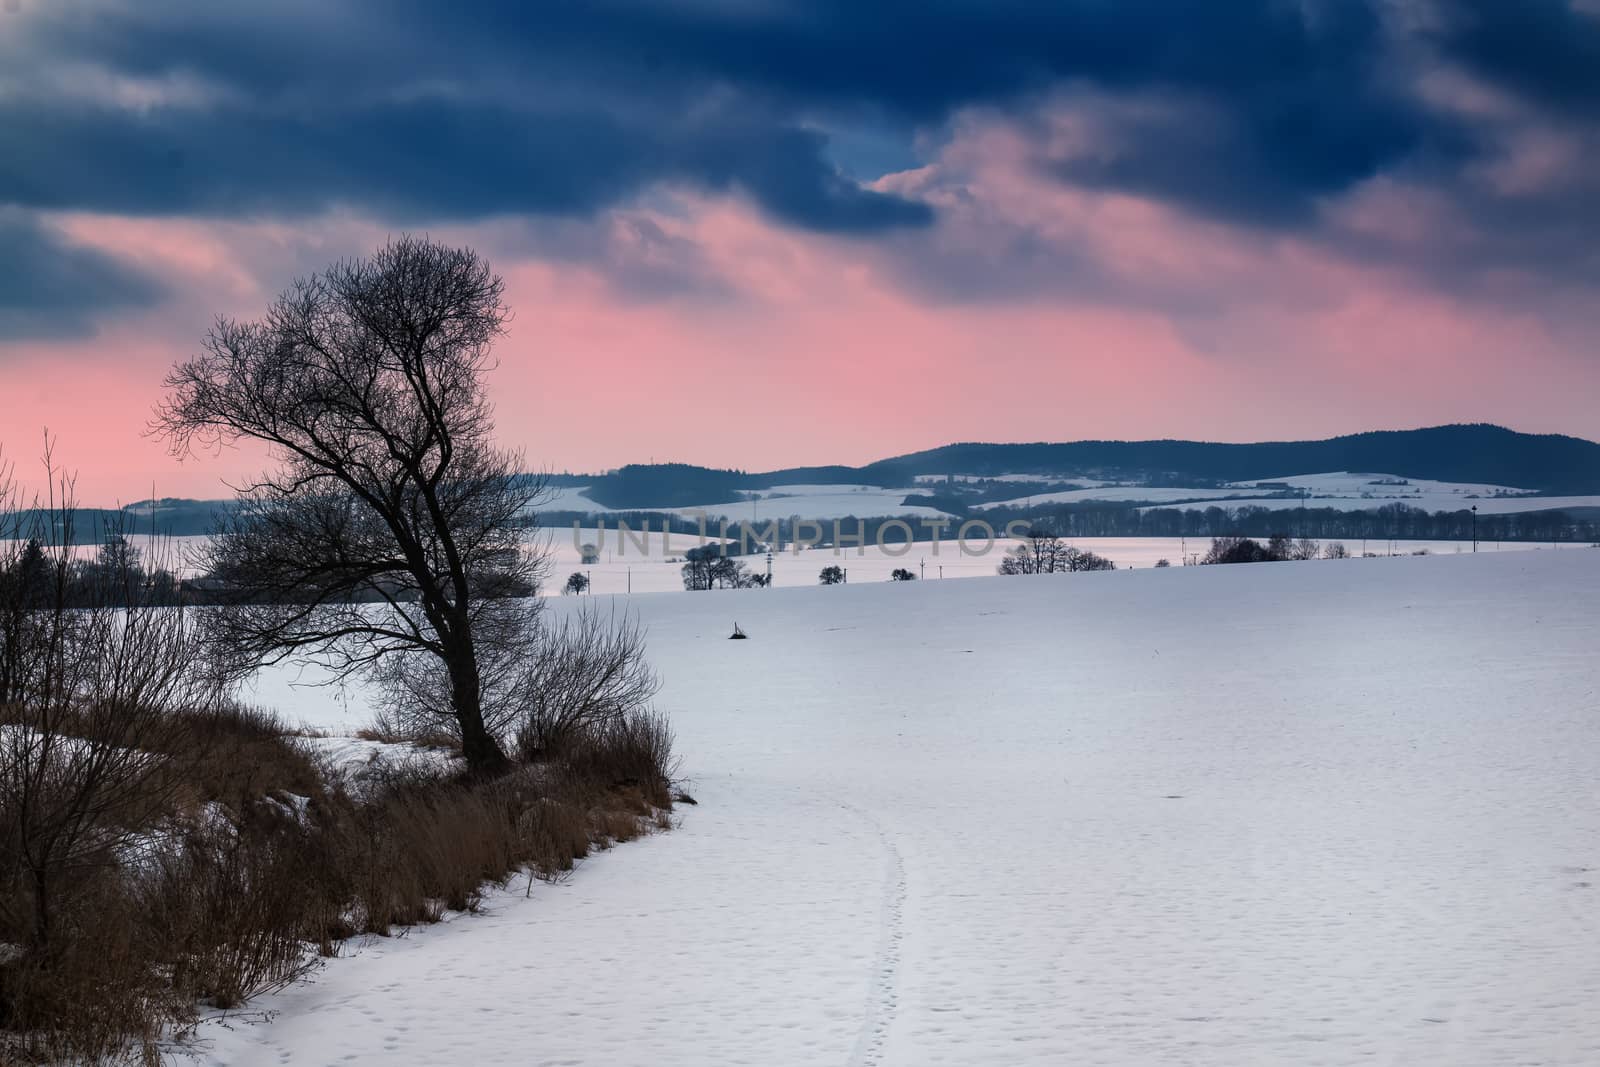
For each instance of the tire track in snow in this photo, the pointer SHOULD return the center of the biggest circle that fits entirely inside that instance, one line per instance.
(882, 997)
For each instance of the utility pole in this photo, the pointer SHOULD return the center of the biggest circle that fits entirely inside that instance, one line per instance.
(1474, 528)
(922, 568)
(769, 566)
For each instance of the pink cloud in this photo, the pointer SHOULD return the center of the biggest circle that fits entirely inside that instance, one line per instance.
(1136, 321)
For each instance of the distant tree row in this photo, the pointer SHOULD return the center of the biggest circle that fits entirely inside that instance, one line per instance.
(1395, 521)
(1277, 549)
(1043, 552)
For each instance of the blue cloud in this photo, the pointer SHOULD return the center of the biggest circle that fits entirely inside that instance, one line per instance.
(55, 288)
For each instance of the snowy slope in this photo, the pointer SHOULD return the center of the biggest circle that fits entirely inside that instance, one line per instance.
(1304, 813)
(1352, 483)
(1120, 493)
(813, 502)
(1496, 505)
(568, 498)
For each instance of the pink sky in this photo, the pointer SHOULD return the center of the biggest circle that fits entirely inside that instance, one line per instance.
(701, 331)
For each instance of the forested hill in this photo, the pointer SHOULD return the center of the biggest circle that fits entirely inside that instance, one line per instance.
(1464, 453)
(1480, 453)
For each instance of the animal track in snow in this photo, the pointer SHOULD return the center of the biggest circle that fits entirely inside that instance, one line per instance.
(883, 996)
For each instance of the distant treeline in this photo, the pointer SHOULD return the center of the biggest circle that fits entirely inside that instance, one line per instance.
(1476, 454)
(168, 518)
(1397, 521)
(1100, 519)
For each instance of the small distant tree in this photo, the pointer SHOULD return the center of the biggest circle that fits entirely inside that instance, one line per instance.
(1042, 552)
(709, 567)
(1077, 560)
(900, 574)
(577, 583)
(1303, 549)
(588, 553)
(831, 575)
(751, 580)
(1335, 550)
(1163, 563)
(1237, 550)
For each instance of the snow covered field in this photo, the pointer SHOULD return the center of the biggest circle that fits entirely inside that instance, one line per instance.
(624, 568)
(1497, 505)
(1303, 813)
(1117, 494)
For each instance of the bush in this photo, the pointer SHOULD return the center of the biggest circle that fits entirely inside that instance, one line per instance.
(900, 574)
(831, 575)
(1237, 550)
(589, 673)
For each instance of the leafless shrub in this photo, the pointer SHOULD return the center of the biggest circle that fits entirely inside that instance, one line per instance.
(587, 674)
(631, 751)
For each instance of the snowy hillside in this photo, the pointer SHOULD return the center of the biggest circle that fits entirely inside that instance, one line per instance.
(1303, 813)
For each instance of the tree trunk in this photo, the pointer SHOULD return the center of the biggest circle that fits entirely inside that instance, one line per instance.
(478, 746)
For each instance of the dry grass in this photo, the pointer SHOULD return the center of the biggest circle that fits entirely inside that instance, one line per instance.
(265, 862)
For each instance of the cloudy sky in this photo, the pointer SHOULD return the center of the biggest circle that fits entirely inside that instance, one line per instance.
(769, 232)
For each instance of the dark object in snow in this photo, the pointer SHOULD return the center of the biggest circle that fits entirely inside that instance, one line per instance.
(738, 634)
(684, 798)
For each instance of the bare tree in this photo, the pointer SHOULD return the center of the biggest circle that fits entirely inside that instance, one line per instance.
(1305, 548)
(97, 686)
(366, 383)
(710, 567)
(1042, 552)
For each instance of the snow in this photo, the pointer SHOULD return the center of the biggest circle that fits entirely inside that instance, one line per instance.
(1304, 813)
(1345, 490)
(812, 502)
(358, 761)
(1426, 501)
(568, 498)
(1046, 479)
(1118, 494)
(1355, 483)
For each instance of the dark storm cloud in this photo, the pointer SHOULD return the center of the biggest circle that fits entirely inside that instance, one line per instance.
(564, 108)
(1546, 50)
(1258, 113)
(54, 288)
(414, 159)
